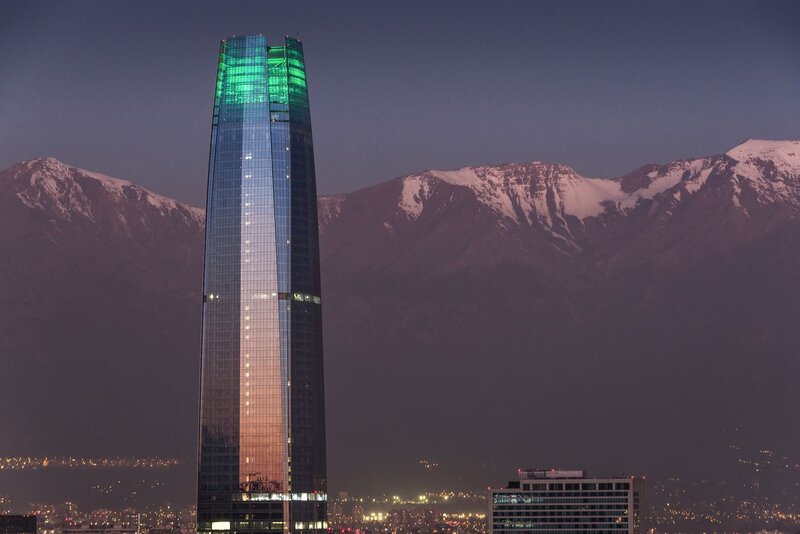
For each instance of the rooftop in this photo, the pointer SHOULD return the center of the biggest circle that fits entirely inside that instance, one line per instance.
(532, 473)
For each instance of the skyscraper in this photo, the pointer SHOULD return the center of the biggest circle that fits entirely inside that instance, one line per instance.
(262, 422)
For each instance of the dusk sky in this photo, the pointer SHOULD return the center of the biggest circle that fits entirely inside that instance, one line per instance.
(125, 88)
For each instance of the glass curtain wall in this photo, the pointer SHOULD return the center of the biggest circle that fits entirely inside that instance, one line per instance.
(262, 426)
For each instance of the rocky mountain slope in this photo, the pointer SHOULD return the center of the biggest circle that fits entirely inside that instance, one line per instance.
(99, 310)
(482, 318)
(532, 315)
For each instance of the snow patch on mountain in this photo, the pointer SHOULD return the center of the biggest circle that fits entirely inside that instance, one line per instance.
(46, 190)
(544, 193)
(691, 174)
(585, 197)
(66, 192)
(770, 168)
(416, 189)
(492, 188)
(119, 188)
(520, 192)
(784, 154)
(328, 209)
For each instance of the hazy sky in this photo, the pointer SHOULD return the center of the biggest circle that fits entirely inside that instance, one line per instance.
(125, 88)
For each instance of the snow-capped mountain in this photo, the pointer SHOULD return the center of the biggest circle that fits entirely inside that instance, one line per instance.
(99, 287)
(544, 316)
(70, 194)
(555, 199)
(524, 311)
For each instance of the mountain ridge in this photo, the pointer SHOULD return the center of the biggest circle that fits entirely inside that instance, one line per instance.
(515, 310)
(599, 194)
(575, 215)
(520, 192)
(47, 184)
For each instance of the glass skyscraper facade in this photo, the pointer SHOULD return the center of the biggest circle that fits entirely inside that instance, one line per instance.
(262, 420)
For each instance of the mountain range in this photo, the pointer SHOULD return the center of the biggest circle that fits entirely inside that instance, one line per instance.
(480, 319)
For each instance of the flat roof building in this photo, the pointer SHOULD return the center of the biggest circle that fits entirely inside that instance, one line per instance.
(567, 501)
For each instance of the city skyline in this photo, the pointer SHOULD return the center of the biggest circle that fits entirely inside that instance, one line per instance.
(553, 234)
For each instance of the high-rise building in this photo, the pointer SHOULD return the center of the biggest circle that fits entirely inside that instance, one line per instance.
(262, 421)
(567, 502)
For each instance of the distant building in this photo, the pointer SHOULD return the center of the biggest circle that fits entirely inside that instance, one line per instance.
(565, 502)
(17, 524)
(103, 528)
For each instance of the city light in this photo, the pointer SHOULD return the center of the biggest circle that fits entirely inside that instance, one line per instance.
(20, 463)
